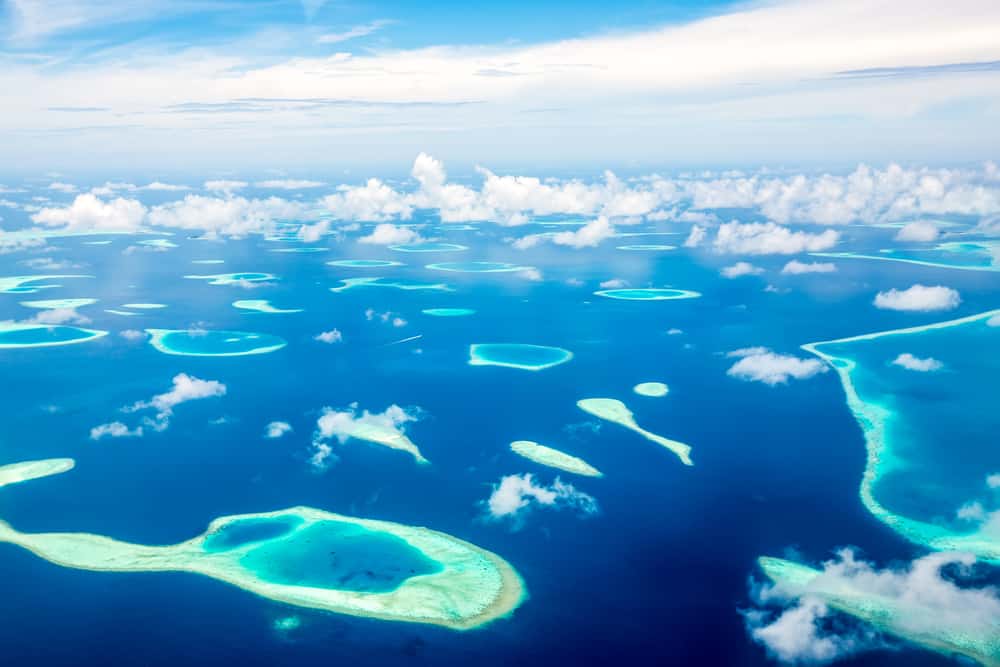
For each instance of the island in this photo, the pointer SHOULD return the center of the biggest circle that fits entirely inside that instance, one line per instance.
(553, 458)
(651, 389)
(613, 410)
(307, 557)
(517, 355)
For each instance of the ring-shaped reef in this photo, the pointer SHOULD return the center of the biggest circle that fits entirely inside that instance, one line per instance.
(144, 306)
(448, 312)
(616, 412)
(262, 306)
(651, 389)
(553, 458)
(915, 618)
(308, 558)
(428, 246)
(517, 355)
(301, 249)
(391, 283)
(59, 304)
(647, 294)
(30, 284)
(363, 263)
(28, 334)
(964, 255)
(477, 267)
(201, 343)
(234, 278)
(647, 246)
(926, 458)
(158, 243)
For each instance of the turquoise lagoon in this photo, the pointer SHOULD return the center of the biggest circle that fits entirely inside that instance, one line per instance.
(200, 343)
(647, 294)
(428, 246)
(363, 263)
(448, 312)
(930, 435)
(517, 355)
(15, 335)
(477, 267)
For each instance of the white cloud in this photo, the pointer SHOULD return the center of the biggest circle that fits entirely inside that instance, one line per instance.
(388, 234)
(912, 363)
(530, 274)
(277, 429)
(224, 185)
(741, 269)
(920, 231)
(345, 424)
(588, 236)
(289, 184)
(614, 283)
(918, 298)
(329, 337)
(375, 202)
(993, 481)
(133, 334)
(695, 237)
(517, 495)
(993, 321)
(50, 264)
(925, 604)
(89, 213)
(62, 187)
(795, 267)
(972, 511)
(55, 316)
(185, 388)
(759, 364)
(115, 429)
(228, 216)
(9, 243)
(157, 186)
(756, 238)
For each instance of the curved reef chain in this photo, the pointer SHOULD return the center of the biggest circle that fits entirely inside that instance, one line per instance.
(383, 570)
(916, 620)
(613, 410)
(876, 421)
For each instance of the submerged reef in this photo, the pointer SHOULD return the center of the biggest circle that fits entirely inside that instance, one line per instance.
(407, 285)
(647, 294)
(613, 410)
(201, 343)
(517, 355)
(262, 306)
(30, 284)
(26, 334)
(651, 389)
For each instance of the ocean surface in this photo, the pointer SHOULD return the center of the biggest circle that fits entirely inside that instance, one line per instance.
(657, 576)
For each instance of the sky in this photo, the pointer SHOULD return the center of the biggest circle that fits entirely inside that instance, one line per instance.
(308, 86)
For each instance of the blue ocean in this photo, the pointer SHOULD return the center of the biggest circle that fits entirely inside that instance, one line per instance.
(658, 574)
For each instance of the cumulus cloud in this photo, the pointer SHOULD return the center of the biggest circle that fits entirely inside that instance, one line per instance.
(917, 232)
(56, 316)
(588, 236)
(10, 243)
(329, 337)
(993, 321)
(344, 424)
(695, 237)
(374, 201)
(912, 363)
(517, 495)
(90, 213)
(185, 388)
(926, 603)
(132, 334)
(759, 364)
(226, 216)
(918, 298)
(277, 429)
(768, 238)
(614, 283)
(49, 264)
(741, 269)
(795, 267)
(389, 234)
(993, 481)
(114, 429)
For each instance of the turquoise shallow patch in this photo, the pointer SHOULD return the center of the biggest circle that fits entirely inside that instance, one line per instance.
(448, 312)
(647, 294)
(198, 343)
(44, 335)
(477, 267)
(363, 263)
(517, 355)
(428, 247)
(341, 556)
(247, 531)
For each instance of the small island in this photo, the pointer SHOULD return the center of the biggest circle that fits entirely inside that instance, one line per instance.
(517, 355)
(553, 458)
(613, 410)
(200, 343)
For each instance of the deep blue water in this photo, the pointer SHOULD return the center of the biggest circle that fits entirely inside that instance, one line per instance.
(658, 576)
